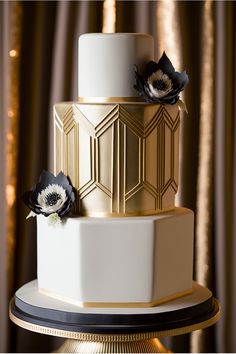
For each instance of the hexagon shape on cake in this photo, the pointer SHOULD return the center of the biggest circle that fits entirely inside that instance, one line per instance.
(118, 261)
(123, 159)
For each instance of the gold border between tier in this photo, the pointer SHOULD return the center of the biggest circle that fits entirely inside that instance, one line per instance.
(110, 99)
(116, 304)
(126, 215)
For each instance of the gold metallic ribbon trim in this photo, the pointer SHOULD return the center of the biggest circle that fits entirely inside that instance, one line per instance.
(116, 304)
(110, 99)
(156, 212)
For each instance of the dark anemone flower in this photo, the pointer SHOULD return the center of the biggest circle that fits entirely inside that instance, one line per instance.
(159, 82)
(52, 195)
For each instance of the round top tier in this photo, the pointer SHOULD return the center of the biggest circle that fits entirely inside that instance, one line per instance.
(106, 64)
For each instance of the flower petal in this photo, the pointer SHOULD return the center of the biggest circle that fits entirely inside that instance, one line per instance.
(58, 184)
(165, 65)
(150, 68)
(62, 180)
(46, 178)
(182, 106)
(180, 80)
(144, 82)
(31, 214)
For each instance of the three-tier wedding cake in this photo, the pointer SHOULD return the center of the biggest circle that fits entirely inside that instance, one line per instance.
(125, 244)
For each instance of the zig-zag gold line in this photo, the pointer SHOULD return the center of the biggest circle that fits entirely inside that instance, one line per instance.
(107, 126)
(155, 121)
(139, 134)
(58, 121)
(107, 117)
(176, 125)
(103, 188)
(160, 119)
(67, 116)
(139, 187)
(83, 120)
(151, 187)
(174, 186)
(142, 185)
(165, 112)
(87, 191)
(69, 127)
(64, 112)
(168, 122)
(132, 128)
(152, 191)
(85, 186)
(131, 118)
(131, 122)
(133, 191)
(177, 116)
(165, 187)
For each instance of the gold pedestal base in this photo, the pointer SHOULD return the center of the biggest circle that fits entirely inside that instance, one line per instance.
(152, 345)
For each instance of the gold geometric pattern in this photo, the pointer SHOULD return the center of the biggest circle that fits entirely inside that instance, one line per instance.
(123, 159)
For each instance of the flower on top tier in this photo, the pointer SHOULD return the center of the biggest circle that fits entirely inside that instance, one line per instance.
(52, 196)
(159, 82)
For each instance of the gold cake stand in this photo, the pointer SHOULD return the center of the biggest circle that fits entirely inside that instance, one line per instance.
(109, 333)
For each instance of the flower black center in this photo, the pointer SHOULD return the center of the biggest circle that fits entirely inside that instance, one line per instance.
(52, 198)
(159, 85)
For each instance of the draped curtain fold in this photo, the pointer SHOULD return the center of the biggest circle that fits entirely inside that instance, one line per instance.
(225, 176)
(39, 68)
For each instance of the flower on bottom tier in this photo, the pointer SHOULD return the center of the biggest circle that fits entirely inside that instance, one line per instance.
(159, 82)
(52, 196)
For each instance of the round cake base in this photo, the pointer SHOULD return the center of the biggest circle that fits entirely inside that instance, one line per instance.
(112, 330)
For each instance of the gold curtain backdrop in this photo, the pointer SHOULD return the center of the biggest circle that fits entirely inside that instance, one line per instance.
(39, 68)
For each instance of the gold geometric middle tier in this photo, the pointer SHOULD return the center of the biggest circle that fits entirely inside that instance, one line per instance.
(123, 159)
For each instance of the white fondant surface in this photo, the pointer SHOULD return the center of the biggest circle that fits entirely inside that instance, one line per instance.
(30, 294)
(106, 63)
(133, 259)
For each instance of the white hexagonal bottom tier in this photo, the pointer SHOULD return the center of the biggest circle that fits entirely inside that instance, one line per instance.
(117, 261)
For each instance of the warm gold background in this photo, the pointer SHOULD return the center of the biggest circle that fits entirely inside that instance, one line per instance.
(39, 67)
